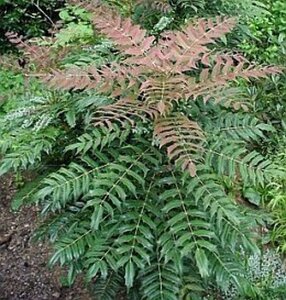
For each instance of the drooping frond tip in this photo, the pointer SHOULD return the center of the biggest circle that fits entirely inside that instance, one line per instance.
(130, 39)
(124, 112)
(184, 140)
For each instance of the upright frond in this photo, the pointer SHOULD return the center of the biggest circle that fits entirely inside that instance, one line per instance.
(136, 245)
(231, 224)
(186, 47)
(184, 140)
(189, 226)
(100, 257)
(129, 38)
(111, 187)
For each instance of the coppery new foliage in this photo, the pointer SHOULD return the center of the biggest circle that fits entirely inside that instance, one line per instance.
(152, 78)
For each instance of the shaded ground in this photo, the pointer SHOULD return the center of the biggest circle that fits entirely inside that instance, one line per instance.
(23, 265)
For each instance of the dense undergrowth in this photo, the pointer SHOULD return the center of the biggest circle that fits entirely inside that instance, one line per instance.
(155, 171)
(30, 18)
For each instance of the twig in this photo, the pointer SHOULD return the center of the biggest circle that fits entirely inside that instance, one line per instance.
(37, 5)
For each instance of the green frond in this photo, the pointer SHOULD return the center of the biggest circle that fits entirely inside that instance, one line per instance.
(189, 226)
(99, 138)
(135, 244)
(239, 127)
(74, 243)
(160, 281)
(231, 222)
(25, 155)
(65, 185)
(236, 162)
(101, 258)
(110, 188)
(227, 271)
(108, 288)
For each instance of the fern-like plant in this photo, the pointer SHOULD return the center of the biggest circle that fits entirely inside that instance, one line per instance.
(152, 80)
(140, 196)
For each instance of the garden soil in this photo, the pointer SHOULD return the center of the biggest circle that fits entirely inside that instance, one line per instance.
(24, 273)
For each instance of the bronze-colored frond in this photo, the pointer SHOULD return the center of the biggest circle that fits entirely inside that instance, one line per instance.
(114, 79)
(186, 47)
(124, 111)
(129, 38)
(155, 75)
(74, 78)
(213, 80)
(184, 140)
(162, 91)
(42, 57)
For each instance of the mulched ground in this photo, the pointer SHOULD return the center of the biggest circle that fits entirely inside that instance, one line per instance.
(23, 265)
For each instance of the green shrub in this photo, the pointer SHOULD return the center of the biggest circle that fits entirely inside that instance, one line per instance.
(268, 45)
(10, 82)
(273, 196)
(269, 34)
(268, 275)
(135, 147)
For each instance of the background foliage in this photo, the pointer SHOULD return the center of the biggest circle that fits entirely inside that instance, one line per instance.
(267, 44)
(29, 18)
(268, 34)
